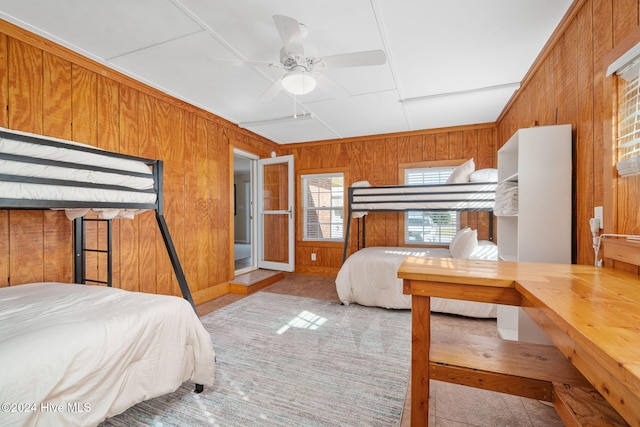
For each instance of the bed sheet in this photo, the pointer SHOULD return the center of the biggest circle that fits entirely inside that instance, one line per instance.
(369, 277)
(77, 354)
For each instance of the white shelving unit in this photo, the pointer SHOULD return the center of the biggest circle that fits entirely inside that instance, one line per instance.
(539, 160)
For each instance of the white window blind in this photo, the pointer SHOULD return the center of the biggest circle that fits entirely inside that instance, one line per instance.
(429, 227)
(627, 67)
(427, 176)
(323, 207)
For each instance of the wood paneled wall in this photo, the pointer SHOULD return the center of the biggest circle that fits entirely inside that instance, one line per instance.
(48, 90)
(568, 85)
(378, 161)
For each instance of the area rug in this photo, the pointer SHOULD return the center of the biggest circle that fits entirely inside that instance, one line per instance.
(290, 361)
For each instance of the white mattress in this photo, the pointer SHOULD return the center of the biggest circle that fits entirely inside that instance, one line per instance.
(73, 355)
(370, 277)
(135, 176)
(28, 191)
(462, 196)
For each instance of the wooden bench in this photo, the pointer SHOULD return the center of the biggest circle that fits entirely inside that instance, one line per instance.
(529, 370)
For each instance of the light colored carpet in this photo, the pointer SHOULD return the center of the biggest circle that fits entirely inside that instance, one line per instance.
(285, 360)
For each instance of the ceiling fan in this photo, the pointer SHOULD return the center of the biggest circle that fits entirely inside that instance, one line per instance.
(302, 66)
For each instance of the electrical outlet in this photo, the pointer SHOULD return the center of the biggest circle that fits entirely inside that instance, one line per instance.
(313, 256)
(597, 213)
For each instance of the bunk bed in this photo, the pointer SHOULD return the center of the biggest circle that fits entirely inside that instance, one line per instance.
(369, 276)
(75, 354)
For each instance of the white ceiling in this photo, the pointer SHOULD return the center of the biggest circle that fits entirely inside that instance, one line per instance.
(448, 63)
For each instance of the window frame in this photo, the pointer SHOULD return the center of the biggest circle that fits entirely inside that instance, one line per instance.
(401, 179)
(625, 65)
(627, 120)
(302, 175)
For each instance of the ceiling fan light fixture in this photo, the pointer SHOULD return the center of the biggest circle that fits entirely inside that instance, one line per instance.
(298, 82)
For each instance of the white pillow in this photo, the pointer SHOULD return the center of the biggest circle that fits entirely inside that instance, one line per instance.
(464, 243)
(484, 175)
(462, 172)
(459, 234)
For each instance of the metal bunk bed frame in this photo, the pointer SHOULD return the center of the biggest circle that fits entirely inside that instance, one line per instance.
(425, 193)
(157, 170)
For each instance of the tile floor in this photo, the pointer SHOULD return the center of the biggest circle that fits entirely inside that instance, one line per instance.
(450, 405)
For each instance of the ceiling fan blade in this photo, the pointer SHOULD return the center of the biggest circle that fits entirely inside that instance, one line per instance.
(355, 59)
(272, 90)
(289, 30)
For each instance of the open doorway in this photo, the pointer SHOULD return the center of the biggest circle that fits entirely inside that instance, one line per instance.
(244, 232)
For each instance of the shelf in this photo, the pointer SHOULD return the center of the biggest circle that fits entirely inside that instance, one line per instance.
(538, 161)
(624, 250)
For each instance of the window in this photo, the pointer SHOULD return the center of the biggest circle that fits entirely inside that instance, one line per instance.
(431, 227)
(627, 67)
(628, 140)
(323, 207)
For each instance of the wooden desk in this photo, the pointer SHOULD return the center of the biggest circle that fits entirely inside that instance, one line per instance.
(591, 314)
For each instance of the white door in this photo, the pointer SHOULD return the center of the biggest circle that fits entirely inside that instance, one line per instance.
(275, 213)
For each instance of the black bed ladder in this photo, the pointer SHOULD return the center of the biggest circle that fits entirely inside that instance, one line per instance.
(80, 251)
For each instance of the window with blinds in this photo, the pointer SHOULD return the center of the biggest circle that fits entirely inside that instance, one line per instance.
(323, 207)
(429, 227)
(627, 67)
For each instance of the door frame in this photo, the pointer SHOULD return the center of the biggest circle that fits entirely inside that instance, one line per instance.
(290, 265)
(253, 158)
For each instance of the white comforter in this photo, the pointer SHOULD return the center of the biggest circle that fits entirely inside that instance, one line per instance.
(76, 354)
(370, 277)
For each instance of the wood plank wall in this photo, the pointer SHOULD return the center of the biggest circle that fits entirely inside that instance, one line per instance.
(378, 160)
(49, 90)
(568, 85)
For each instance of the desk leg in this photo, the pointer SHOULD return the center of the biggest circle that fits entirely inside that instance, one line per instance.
(420, 343)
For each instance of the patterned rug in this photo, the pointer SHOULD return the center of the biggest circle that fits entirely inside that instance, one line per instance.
(290, 361)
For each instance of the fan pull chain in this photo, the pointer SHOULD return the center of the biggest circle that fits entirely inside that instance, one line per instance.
(295, 107)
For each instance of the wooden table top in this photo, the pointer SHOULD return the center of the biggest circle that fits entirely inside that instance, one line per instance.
(484, 273)
(597, 307)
